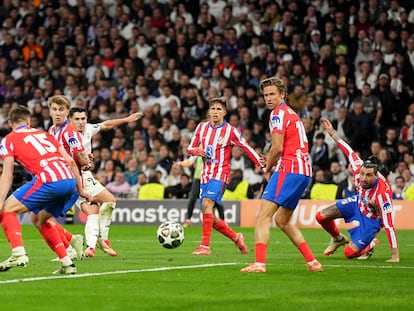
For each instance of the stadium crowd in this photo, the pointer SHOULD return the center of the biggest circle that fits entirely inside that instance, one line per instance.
(351, 62)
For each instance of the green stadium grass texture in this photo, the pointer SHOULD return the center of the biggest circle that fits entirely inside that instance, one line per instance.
(146, 276)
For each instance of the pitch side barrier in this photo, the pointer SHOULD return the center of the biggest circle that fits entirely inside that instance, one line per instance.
(237, 213)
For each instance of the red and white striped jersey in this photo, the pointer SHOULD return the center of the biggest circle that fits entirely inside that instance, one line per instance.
(295, 157)
(69, 137)
(37, 151)
(375, 202)
(217, 143)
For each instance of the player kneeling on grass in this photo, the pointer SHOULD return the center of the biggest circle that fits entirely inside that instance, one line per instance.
(372, 208)
(51, 192)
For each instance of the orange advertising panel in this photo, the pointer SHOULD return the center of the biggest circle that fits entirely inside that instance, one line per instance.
(304, 215)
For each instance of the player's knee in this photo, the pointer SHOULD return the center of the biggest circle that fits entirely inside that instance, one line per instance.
(350, 253)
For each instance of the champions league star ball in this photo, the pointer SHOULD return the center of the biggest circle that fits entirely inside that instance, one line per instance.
(170, 234)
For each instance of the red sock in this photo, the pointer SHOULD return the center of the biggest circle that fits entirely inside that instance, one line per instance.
(208, 221)
(328, 225)
(260, 250)
(222, 227)
(65, 235)
(52, 237)
(12, 229)
(306, 252)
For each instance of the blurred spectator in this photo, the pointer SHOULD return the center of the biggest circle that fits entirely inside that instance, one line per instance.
(153, 189)
(238, 188)
(399, 188)
(119, 186)
(320, 153)
(338, 172)
(323, 188)
(131, 173)
(346, 188)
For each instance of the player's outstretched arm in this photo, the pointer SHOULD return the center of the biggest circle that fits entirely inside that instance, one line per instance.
(110, 124)
(327, 125)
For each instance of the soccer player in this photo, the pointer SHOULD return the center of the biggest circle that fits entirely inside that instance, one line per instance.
(99, 212)
(195, 188)
(51, 192)
(288, 159)
(213, 141)
(71, 140)
(371, 207)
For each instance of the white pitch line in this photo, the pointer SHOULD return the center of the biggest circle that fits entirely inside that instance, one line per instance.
(43, 278)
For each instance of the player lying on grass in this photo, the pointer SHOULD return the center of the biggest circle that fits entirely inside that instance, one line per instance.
(372, 208)
(51, 192)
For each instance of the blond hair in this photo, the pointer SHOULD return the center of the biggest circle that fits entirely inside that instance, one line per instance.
(60, 100)
(273, 81)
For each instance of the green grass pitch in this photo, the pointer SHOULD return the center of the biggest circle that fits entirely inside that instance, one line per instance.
(145, 276)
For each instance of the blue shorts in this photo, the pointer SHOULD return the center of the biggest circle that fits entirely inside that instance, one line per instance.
(286, 189)
(367, 229)
(55, 197)
(214, 190)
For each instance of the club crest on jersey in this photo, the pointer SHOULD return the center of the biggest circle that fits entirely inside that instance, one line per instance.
(74, 143)
(275, 120)
(220, 140)
(3, 150)
(387, 207)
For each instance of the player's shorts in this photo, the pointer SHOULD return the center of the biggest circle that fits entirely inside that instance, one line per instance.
(213, 190)
(286, 189)
(55, 197)
(368, 227)
(91, 186)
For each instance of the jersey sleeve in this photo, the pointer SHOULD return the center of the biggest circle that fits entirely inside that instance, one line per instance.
(93, 129)
(74, 141)
(6, 148)
(384, 202)
(238, 139)
(195, 141)
(277, 121)
(352, 156)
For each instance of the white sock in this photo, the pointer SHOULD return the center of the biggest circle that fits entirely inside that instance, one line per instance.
(66, 261)
(105, 219)
(92, 230)
(18, 251)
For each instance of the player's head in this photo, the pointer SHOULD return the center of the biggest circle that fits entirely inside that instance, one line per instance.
(59, 106)
(217, 110)
(368, 173)
(78, 117)
(274, 91)
(19, 114)
(60, 100)
(218, 100)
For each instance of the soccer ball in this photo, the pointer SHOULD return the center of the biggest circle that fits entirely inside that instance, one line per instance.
(170, 234)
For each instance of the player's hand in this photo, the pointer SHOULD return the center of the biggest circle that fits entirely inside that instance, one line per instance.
(327, 125)
(135, 116)
(202, 152)
(85, 195)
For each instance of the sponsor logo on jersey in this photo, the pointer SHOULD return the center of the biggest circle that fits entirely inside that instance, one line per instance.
(74, 143)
